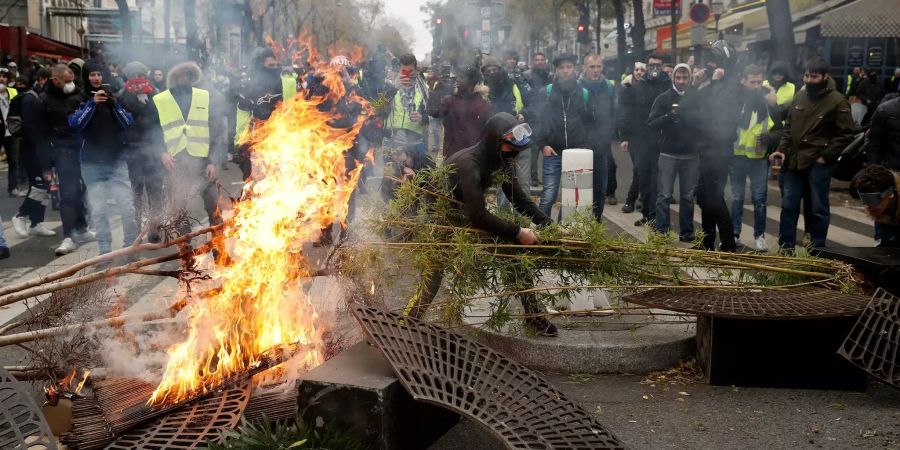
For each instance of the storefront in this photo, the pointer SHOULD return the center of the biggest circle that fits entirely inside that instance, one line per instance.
(20, 44)
(866, 34)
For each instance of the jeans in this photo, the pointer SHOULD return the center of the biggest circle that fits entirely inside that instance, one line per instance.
(522, 161)
(11, 146)
(533, 165)
(757, 169)
(816, 182)
(72, 210)
(711, 199)
(107, 181)
(600, 180)
(647, 166)
(686, 170)
(2, 236)
(552, 175)
(146, 173)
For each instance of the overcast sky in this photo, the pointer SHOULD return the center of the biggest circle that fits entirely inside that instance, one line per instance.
(410, 12)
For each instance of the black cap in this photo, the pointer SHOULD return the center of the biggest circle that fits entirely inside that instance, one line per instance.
(564, 57)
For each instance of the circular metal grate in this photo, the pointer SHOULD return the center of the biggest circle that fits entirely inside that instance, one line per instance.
(799, 303)
(446, 369)
(874, 342)
(191, 426)
(22, 425)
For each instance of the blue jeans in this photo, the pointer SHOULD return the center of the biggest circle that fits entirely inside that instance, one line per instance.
(887, 235)
(107, 181)
(552, 174)
(816, 182)
(601, 177)
(757, 169)
(522, 174)
(2, 236)
(687, 170)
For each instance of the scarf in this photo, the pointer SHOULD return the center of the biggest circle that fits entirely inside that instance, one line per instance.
(139, 86)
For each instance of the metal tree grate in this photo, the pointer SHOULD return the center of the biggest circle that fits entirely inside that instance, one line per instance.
(874, 342)
(22, 425)
(444, 368)
(190, 426)
(798, 303)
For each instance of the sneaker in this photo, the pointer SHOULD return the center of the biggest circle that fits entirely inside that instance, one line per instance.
(541, 326)
(761, 244)
(20, 225)
(639, 206)
(641, 222)
(67, 246)
(16, 192)
(687, 239)
(84, 236)
(627, 208)
(4, 252)
(611, 200)
(807, 239)
(41, 230)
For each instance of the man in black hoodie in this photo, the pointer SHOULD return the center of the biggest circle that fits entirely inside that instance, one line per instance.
(101, 120)
(502, 139)
(634, 109)
(60, 143)
(714, 114)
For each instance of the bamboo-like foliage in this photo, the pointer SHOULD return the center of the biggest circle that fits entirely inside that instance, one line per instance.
(426, 231)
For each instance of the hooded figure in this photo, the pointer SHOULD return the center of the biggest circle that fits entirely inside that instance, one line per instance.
(505, 95)
(77, 65)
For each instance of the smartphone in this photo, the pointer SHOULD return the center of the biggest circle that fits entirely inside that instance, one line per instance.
(106, 88)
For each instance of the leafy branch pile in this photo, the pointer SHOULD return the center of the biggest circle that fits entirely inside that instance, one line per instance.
(425, 231)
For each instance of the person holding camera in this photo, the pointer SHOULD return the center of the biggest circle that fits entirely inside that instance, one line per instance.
(101, 120)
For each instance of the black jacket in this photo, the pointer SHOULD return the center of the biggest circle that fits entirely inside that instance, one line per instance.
(634, 108)
(604, 103)
(538, 79)
(51, 119)
(101, 125)
(883, 140)
(713, 114)
(475, 167)
(146, 119)
(562, 119)
(670, 128)
(501, 97)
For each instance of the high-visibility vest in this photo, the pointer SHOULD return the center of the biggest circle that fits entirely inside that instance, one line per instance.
(242, 122)
(12, 92)
(784, 94)
(849, 83)
(180, 134)
(746, 142)
(399, 117)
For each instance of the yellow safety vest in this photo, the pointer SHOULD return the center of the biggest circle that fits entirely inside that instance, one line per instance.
(399, 117)
(849, 83)
(784, 94)
(12, 92)
(242, 122)
(180, 134)
(518, 96)
(746, 143)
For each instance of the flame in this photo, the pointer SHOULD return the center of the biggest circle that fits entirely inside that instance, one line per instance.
(64, 385)
(83, 380)
(300, 185)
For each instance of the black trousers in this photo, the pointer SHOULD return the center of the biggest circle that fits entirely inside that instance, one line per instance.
(11, 147)
(71, 189)
(647, 166)
(634, 188)
(146, 173)
(34, 207)
(611, 184)
(711, 199)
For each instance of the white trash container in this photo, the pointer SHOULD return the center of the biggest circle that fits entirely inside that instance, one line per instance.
(577, 182)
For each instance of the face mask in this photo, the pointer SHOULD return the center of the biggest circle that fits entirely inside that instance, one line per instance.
(654, 73)
(2, 86)
(816, 88)
(69, 87)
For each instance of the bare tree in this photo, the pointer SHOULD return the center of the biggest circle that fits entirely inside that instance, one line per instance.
(638, 30)
(621, 44)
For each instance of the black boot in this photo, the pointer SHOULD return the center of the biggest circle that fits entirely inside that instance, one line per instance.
(541, 326)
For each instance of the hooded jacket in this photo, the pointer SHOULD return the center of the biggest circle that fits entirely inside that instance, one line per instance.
(51, 117)
(669, 126)
(101, 125)
(816, 126)
(464, 116)
(503, 95)
(475, 167)
(183, 97)
(635, 104)
(883, 140)
(79, 64)
(713, 115)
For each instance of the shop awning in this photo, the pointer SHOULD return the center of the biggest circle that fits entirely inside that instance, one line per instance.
(38, 45)
(863, 18)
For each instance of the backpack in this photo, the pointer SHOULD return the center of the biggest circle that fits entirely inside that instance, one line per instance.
(584, 92)
(14, 121)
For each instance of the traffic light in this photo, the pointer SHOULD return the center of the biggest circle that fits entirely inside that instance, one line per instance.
(584, 34)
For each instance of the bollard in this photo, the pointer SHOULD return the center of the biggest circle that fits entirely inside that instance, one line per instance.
(577, 182)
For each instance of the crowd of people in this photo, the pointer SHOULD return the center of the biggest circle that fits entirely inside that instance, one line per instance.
(106, 139)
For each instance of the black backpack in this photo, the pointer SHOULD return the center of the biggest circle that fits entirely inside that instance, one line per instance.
(14, 121)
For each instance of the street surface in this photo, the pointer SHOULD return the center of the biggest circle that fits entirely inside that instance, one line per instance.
(644, 415)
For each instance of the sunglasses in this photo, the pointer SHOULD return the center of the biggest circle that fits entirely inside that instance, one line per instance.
(874, 198)
(518, 136)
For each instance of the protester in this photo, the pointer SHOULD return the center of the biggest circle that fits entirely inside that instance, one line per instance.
(406, 118)
(603, 94)
(892, 84)
(817, 129)
(870, 93)
(631, 197)
(877, 187)
(142, 155)
(56, 138)
(677, 158)
(852, 82)
(76, 66)
(537, 77)
(463, 113)
(564, 116)
(475, 169)
(101, 120)
(158, 79)
(749, 161)
(7, 140)
(635, 104)
(883, 138)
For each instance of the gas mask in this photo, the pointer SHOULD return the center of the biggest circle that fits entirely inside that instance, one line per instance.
(653, 72)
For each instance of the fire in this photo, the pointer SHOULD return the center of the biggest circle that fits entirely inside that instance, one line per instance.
(64, 385)
(300, 185)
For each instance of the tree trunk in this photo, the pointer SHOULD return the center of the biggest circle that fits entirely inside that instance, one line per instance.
(782, 30)
(597, 34)
(125, 18)
(190, 28)
(638, 30)
(621, 45)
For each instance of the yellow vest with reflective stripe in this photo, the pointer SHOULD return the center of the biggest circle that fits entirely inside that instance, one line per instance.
(746, 143)
(399, 117)
(518, 96)
(242, 122)
(180, 134)
(784, 94)
(12, 92)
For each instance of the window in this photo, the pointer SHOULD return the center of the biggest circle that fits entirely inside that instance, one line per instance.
(838, 53)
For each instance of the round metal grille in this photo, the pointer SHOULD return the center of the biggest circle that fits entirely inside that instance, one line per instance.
(190, 426)
(874, 342)
(22, 425)
(799, 303)
(446, 369)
